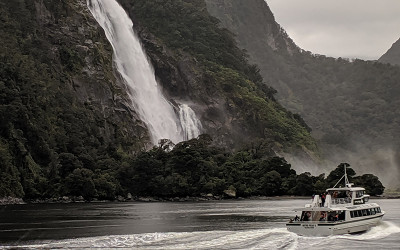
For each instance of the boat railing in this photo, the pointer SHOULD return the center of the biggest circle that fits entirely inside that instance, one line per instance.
(316, 221)
(337, 201)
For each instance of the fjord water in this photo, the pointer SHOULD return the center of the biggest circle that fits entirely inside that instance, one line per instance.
(138, 76)
(168, 225)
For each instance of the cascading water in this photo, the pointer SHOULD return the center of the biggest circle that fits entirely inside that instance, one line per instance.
(138, 75)
(191, 126)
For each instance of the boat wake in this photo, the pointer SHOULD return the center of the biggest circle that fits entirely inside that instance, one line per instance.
(277, 238)
(382, 230)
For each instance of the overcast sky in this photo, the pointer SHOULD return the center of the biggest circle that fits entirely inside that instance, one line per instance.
(363, 29)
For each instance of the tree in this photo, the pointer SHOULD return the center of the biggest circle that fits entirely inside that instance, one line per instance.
(271, 183)
(80, 182)
(371, 184)
(338, 173)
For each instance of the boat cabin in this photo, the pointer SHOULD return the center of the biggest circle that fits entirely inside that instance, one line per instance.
(347, 195)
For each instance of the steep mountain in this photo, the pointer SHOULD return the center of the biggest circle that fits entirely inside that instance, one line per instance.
(392, 56)
(68, 124)
(350, 106)
(61, 107)
(197, 62)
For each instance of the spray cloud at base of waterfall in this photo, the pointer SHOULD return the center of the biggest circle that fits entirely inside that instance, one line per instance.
(137, 74)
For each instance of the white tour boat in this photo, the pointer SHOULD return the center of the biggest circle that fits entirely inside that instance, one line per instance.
(346, 210)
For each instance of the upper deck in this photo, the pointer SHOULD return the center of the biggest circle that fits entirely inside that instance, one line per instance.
(347, 195)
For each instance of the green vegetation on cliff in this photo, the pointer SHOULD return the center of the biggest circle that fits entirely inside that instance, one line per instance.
(183, 30)
(50, 132)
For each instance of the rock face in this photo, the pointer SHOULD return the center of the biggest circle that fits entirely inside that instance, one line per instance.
(392, 56)
(79, 49)
(230, 193)
(257, 32)
(242, 24)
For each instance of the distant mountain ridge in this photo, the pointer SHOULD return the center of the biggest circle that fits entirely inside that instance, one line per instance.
(392, 56)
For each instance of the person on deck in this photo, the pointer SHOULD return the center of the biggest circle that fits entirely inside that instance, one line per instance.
(323, 197)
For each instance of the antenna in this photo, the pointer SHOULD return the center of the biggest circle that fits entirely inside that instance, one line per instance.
(346, 180)
(345, 176)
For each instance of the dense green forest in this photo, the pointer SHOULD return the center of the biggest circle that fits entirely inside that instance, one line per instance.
(195, 167)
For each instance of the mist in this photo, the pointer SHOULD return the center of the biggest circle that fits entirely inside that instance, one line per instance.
(382, 161)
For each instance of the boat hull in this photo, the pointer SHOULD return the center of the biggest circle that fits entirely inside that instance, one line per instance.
(324, 229)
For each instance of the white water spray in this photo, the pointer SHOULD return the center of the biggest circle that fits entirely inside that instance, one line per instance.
(138, 75)
(191, 126)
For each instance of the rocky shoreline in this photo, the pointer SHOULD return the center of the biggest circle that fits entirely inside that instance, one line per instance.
(130, 198)
(11, 200)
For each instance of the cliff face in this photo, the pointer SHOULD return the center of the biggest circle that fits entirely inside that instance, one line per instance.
(266, 43)
(392, 56)
(252, 17)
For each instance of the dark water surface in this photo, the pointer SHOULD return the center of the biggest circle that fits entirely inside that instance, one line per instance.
(213, 224)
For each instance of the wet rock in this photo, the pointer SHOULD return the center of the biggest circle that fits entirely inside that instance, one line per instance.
(129, 196)
(231, 193)
(11, 200)
(79, 199)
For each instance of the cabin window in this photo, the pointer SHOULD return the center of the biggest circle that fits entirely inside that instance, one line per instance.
(359, 194)
(364, 212)
(351, 214)
(373, 211)
(379, 210)
(342, 215)
(306, 216)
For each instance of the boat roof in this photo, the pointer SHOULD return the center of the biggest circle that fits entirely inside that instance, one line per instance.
(326, 209)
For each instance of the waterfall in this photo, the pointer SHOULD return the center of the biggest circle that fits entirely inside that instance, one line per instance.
(138, 75)
(191, 126)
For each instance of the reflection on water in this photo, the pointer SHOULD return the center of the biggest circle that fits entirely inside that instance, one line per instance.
(222, 224)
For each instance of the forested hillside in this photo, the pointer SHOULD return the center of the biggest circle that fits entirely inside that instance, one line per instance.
(351, 106)
(68, 127)
(196, 60)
